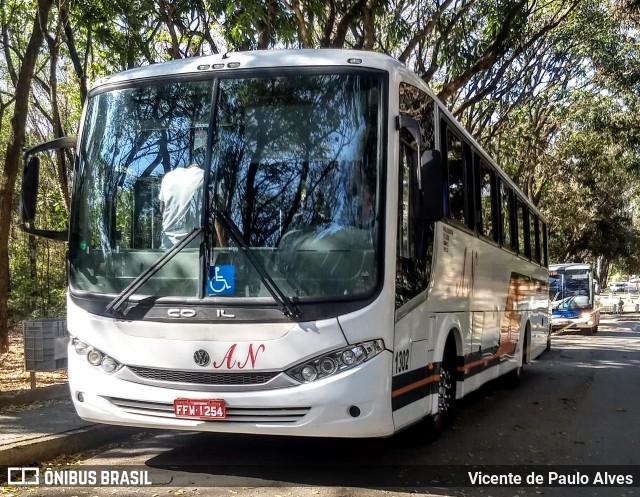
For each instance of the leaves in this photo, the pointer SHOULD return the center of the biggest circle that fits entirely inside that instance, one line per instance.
(550, 89)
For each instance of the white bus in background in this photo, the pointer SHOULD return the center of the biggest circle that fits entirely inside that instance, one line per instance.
(575, 297)
(356, 264)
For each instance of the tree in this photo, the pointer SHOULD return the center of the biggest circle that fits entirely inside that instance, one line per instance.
(549, 88)
(13, 149)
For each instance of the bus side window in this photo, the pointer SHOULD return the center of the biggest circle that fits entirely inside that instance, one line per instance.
(522, 218)
(486, 199)
(505, 217)
(545, 241)
(455, 160)
(535, 234)
(417, 104)
(414, 239)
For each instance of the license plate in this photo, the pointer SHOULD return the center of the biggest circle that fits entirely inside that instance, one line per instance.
(199, 409)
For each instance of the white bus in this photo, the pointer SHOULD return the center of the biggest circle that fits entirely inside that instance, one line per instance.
(297, 242)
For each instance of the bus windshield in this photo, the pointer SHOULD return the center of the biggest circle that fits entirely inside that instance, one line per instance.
(294, 162)
(570, 288)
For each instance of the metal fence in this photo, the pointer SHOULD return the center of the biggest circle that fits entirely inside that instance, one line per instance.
(45, 344)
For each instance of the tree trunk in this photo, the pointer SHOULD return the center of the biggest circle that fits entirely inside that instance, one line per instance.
(58, 132)
(12, 157)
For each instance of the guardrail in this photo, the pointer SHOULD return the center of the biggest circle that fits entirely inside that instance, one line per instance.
(631, 303)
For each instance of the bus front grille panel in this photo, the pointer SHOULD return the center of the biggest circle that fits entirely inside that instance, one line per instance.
(203, 377)
(275, 415)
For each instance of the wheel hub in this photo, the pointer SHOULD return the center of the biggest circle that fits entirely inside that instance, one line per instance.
(444, 391)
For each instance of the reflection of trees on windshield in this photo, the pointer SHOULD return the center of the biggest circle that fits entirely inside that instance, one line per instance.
(295, 152)
(295, 156)
(134, 137)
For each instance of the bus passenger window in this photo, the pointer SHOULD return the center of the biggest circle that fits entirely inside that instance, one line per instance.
(535, 234)
(486, 201)
(455, 166)
(505, 216)
(522, 220)
(545, 240)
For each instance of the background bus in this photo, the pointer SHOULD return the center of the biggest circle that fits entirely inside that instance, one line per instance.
(575, 297)
(354, 261)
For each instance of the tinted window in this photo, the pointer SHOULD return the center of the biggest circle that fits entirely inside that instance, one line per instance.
(545, 255)
(523, 219)
(505, 215)
(295, 165)
(535, 237)
(415, 239)
(420, 106)
(486, 187)
(455, 165)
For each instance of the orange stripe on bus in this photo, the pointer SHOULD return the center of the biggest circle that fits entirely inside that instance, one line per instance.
(488, 358)
(414, 385)
(477, 363)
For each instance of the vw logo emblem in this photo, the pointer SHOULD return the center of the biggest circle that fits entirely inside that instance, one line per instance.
(201, 357)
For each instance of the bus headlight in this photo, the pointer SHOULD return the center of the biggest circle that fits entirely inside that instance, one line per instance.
(81, 347)
(308, 373)
(95, 357)
(109, 365)
(336, 362)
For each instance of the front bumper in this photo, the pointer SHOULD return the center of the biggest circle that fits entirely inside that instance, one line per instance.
(320, 408)
(560, 323)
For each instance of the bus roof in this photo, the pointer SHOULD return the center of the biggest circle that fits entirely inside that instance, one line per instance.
(569, 265)
(257, 59)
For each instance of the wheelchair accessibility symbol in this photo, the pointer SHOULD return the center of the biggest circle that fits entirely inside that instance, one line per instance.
(221, 280)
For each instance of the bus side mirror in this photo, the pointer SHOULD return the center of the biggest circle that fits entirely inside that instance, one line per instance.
(29, 197)
(30, 183)
(428, 184)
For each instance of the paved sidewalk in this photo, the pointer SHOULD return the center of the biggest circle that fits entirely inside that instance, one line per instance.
(40, 432)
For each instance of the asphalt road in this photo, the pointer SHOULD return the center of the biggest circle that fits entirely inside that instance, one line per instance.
(578, 405)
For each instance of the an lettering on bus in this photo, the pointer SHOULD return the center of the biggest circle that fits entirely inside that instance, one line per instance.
(249, 360)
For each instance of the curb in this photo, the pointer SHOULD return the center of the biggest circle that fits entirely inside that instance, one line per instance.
(48, 447)
(19, 397)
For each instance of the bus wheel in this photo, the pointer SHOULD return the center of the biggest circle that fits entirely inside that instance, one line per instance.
(446, 394)
(548, 348)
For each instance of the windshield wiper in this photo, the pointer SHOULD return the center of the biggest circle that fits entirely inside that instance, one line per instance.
(115, 306)
(565, 302)
(288, 308)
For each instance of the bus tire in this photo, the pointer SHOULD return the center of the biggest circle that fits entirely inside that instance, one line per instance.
(446, 393)
(548, 347)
